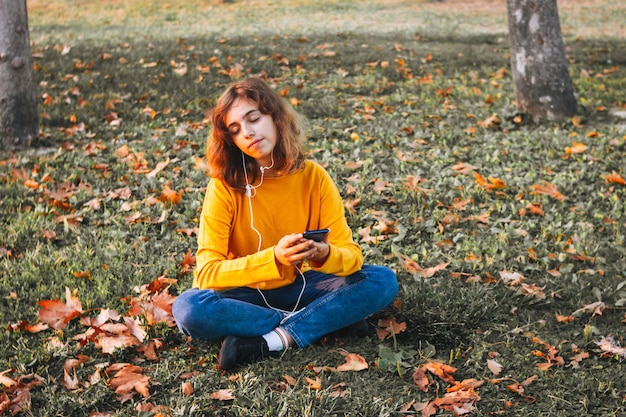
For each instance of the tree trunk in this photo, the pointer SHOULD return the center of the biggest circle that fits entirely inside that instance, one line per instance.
(543, 87)
(19, 122)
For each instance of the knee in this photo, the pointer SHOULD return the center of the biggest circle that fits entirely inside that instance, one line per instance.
(387, 287)
(181, 310)
(185, 306)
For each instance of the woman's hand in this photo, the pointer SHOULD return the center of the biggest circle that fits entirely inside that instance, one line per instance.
(293, 250)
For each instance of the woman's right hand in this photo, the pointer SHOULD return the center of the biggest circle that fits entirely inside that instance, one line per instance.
(293, 250)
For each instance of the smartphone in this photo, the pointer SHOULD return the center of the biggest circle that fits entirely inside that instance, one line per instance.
(316, 235)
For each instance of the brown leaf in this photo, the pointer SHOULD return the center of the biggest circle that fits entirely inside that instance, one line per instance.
(597, 308)
(614, 178)
(5, 380)
(408, 264)
(315, 384)
(187, 388)
(129, 380)
(421, 379)
(387, 328)
(463, 168)
(547, 189)
(57, 314)
(429, 272)
(494, 367)
(354, 362)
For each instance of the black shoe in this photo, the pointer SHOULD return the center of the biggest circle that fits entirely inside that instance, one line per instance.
(358, 329)
(241, 350)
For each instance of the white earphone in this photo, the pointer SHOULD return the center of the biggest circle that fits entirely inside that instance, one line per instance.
(251, 192)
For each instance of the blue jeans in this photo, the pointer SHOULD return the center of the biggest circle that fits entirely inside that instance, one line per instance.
(327, 303)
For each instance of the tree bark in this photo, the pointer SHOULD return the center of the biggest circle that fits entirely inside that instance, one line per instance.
(543, 87)
(19, 122)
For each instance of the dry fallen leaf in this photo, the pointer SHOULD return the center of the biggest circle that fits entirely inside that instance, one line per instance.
(128, 380)
(315, 384)
(57, 314)
(494, 367)
(223, 395)
(354, 362)
(187, 388)
(387, 328)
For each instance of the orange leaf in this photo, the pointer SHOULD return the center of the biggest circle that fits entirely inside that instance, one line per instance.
(128, 380)
(564, 319)
(463, 168)
(5, 380)
(441, 370)
(354, 362)
(408, 264)
(429, 272)
(171, 196)
(615, 178)
(187, 388)
(489, 183)
(315, 384)
(387, 328)
(547, 189)
(577, 147)
(57, 314)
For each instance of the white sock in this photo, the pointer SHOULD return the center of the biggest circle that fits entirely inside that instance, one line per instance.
(276, 340)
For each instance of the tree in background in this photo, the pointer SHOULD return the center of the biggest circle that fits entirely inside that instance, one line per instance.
(543, 87)
(19, 122)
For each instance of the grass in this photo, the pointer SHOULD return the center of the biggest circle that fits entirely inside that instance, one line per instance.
(382, 120)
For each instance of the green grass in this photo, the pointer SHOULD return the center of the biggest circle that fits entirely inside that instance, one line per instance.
(406, 126)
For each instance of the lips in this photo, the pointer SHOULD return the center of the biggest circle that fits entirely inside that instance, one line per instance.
(253, 144)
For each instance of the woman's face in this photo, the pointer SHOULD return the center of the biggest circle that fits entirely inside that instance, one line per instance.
(253, 132)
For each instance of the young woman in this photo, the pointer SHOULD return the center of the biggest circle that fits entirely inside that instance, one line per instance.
(260, 283)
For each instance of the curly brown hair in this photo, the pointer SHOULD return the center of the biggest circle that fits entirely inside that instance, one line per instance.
(224, 157)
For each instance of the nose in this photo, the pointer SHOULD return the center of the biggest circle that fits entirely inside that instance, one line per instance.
(247, 131)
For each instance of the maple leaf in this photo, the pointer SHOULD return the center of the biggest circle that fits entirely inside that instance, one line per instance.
(490, 121)
(354, 362)
(109, 344)
(387, 328)
(614, 178)
(547, 189)
(315, 384)
(156, 309)
(366, 237)
(171, 196)
(128, 380)
(429, 272)
(159, 167)
(441, 370)
(188, 263)
(57, 314)
(490, 183)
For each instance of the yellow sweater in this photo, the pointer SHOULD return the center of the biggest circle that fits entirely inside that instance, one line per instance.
(307, 199)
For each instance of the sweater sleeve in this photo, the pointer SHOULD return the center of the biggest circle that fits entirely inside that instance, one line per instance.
(216, 268)
(345, 255)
